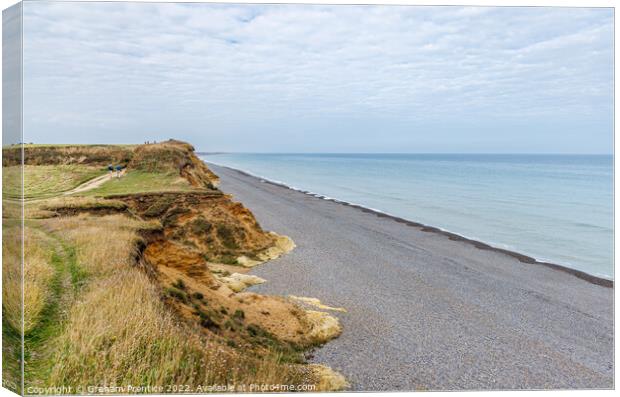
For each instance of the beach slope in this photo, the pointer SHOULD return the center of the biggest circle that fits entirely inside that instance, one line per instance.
(426, 312)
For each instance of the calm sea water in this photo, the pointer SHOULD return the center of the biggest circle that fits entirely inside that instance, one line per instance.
(557, 208)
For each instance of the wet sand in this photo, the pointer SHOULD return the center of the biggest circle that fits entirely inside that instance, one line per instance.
(430, 310)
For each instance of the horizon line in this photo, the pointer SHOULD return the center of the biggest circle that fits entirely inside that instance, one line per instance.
(211, 152)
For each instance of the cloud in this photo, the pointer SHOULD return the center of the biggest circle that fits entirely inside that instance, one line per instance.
(221, 74)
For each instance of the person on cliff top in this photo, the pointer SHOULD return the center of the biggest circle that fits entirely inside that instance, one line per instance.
(118, 170)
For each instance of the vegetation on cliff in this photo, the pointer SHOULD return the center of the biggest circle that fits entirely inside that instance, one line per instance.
(140, 279)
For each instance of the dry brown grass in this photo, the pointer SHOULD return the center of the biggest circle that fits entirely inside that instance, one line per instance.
(102, 244)
(100, 155)
(82, 203)
(38, 273)
(11, 274)
(11, 209)
(49, 208)
(120, 332)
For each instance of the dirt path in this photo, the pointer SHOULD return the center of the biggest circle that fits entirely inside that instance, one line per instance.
(64, 287)
(92, 184)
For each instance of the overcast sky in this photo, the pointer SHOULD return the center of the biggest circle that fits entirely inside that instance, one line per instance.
(298, 78)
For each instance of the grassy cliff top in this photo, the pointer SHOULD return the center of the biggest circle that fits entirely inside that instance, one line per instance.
(82, 170)
(137, 277)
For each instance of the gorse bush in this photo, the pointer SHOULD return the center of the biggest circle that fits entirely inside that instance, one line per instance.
(226, 235)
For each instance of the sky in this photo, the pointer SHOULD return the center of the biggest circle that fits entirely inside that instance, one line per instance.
(303, 78)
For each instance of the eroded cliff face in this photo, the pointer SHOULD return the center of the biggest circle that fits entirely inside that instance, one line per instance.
(207, 244)
(207, 222)
(175, 157)
(196, 245)
(200, 256)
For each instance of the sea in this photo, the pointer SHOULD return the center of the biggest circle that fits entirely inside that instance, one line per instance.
(555, 208)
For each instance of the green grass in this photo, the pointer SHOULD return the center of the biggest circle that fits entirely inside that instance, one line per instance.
(64, 288)
(141, 182)
(43, 181)
(11, 356)
(48, 326)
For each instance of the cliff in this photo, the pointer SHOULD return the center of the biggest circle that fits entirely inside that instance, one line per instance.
(194, 244)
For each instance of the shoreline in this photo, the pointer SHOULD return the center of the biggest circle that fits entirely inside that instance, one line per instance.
(427, 312)
(523, 258)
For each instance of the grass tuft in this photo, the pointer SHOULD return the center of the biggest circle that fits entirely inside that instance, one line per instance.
(179, 284)
(177, 294)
